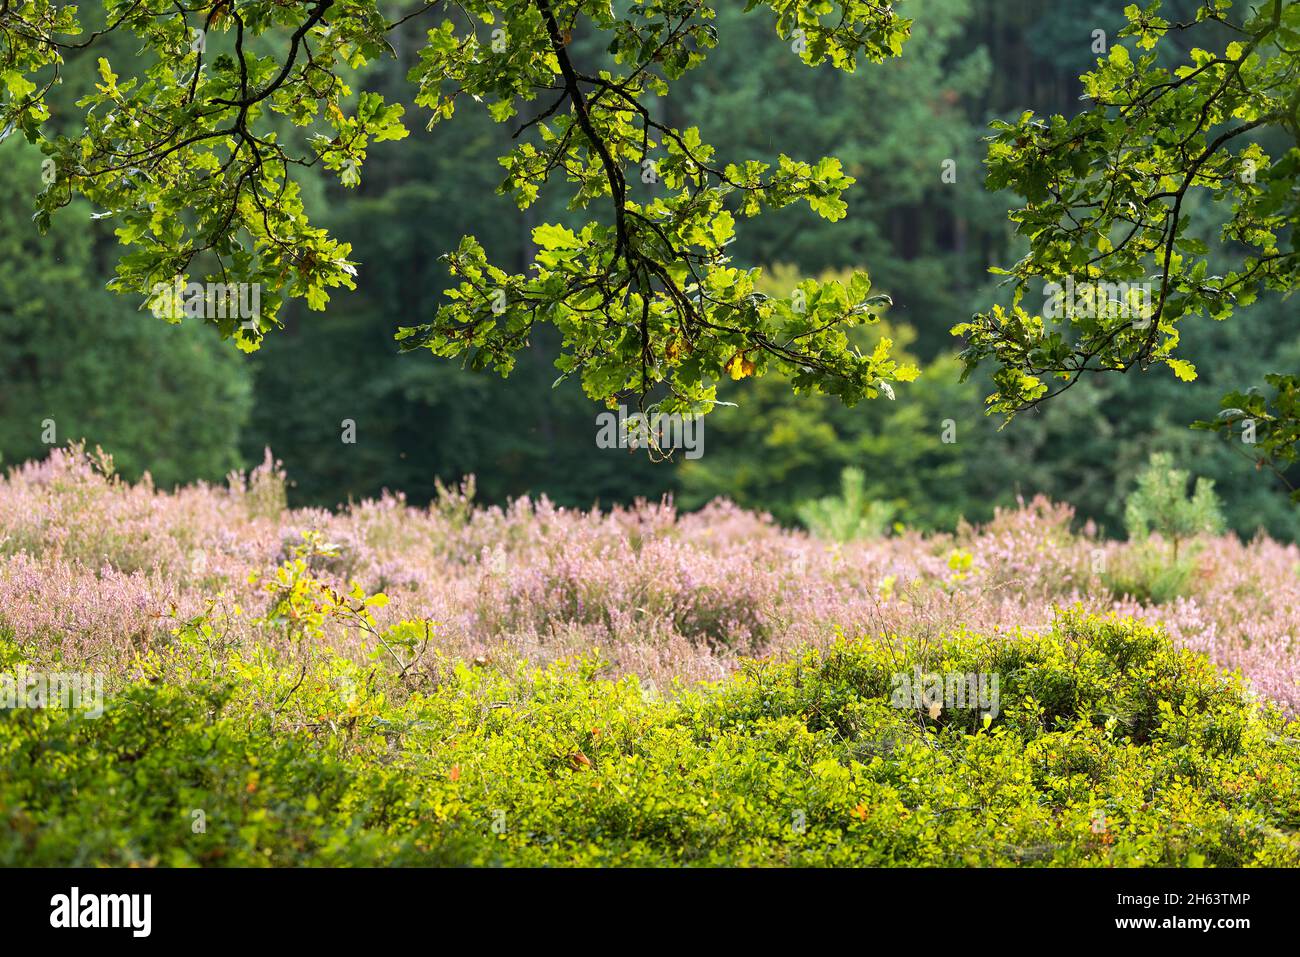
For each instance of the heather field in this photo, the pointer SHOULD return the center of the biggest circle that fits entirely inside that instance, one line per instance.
(388, 684)
(98, 571)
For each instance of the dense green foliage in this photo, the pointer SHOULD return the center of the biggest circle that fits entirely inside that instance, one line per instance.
(1108, 747)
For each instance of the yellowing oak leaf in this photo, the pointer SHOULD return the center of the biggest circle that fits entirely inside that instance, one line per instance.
(738, 366)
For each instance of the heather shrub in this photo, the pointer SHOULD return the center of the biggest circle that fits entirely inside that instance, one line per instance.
(1030, 549)
(263, 490)
(1109, 748)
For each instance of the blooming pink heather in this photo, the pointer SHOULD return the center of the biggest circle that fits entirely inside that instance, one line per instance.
(94, 569)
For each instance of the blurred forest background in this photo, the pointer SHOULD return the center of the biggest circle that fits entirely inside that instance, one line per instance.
(178, 402)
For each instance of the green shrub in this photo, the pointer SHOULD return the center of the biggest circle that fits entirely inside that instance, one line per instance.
(849, 517)
(1161, 506)
(1108, 747)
